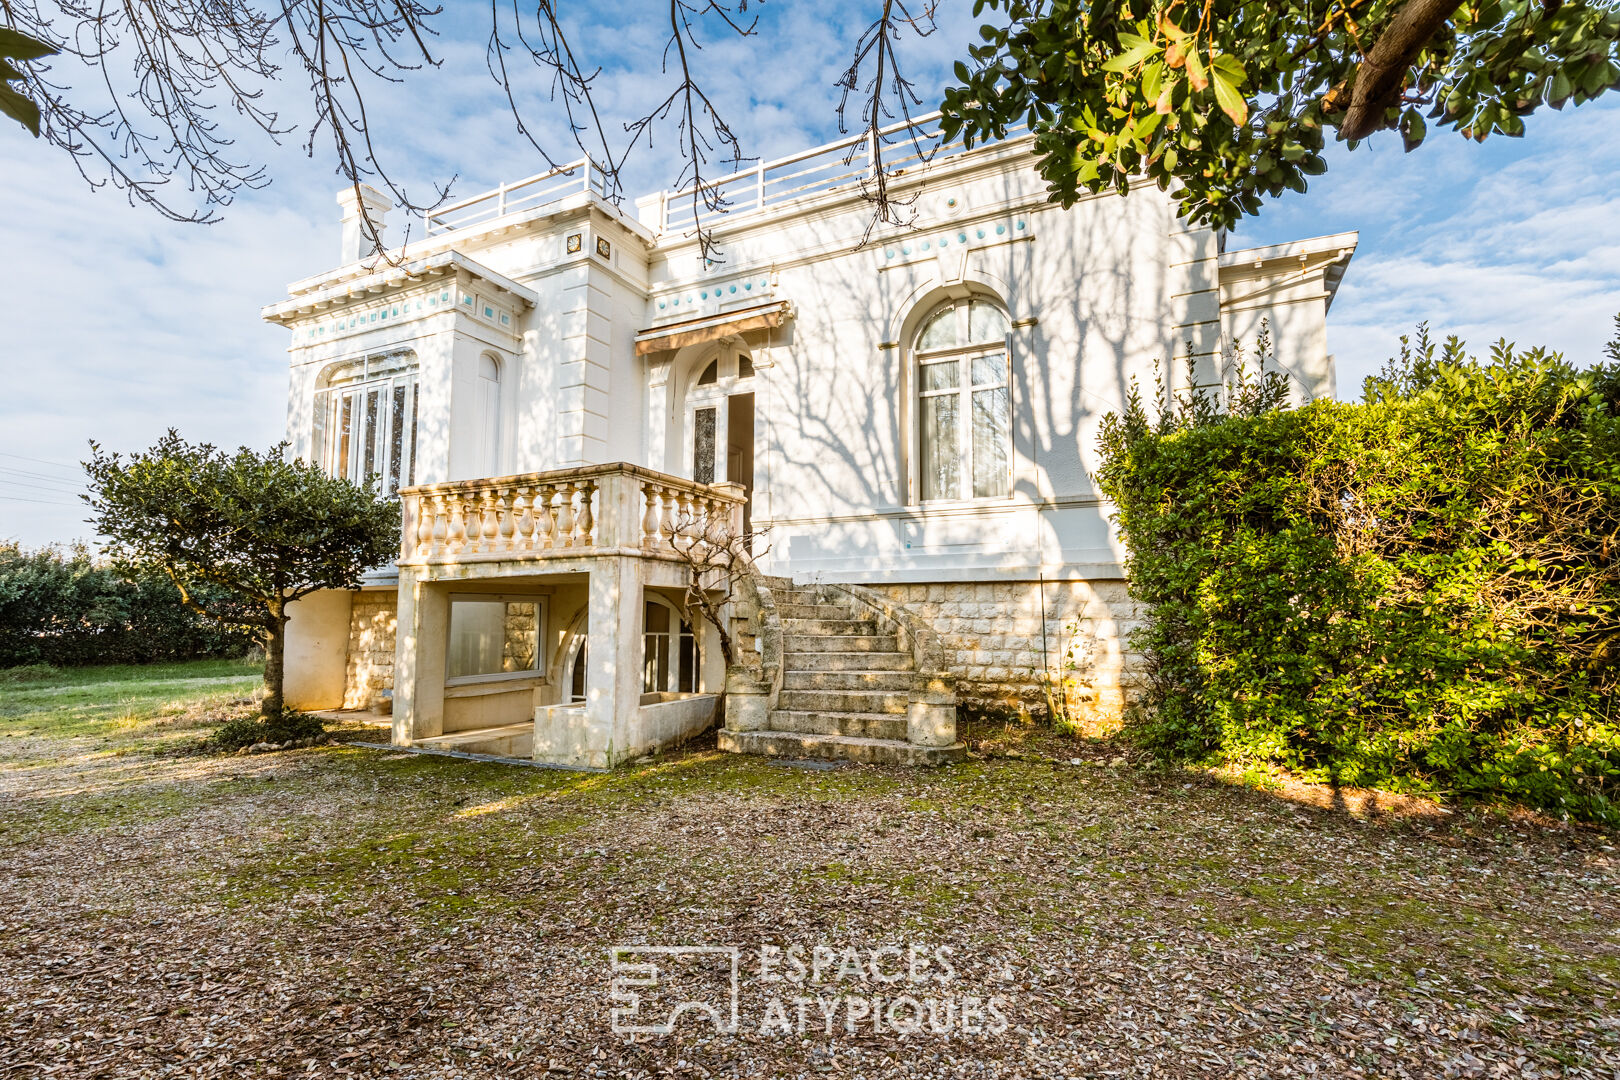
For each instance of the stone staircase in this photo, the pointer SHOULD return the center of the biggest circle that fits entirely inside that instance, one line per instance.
(847, 685)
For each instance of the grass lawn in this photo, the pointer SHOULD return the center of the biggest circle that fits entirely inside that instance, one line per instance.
(346, 911)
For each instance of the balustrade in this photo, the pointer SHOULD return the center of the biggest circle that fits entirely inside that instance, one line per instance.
(563, 513)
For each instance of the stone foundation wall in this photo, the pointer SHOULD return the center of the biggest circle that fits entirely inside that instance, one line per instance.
(372, 622)
(992, 634)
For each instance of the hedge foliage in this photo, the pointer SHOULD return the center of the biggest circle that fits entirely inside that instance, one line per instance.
(65, 609)
(1419, 592)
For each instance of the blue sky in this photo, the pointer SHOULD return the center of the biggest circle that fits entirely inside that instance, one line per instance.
(121, 324)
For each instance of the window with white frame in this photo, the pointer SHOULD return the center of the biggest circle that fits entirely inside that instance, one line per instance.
(494, 636)
(365, 421)
(964, 402)
(669, 649)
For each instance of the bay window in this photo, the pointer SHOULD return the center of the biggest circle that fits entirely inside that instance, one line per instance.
(365, 421)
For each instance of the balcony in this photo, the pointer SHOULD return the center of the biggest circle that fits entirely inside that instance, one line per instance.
(590, 511)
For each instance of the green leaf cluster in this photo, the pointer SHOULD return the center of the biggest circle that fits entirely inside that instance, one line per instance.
(1225, 103)
(1418, 592)
(65, 609)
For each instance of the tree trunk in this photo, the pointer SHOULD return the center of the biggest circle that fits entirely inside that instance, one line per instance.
(275, 647)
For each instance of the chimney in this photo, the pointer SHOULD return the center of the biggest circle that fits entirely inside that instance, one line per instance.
(356, 245)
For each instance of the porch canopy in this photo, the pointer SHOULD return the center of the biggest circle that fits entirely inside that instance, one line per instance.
(696, 331)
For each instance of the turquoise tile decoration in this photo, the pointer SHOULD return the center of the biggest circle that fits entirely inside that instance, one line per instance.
(888, 253)
(748, 285)
(961, 238)
(662, 304)
(1020, 226)
(734, 288)
(981, 234)
(1000, 229)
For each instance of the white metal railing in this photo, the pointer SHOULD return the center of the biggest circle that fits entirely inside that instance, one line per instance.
(830, 167)
(820, 169)
(538, 190)
(618, 508)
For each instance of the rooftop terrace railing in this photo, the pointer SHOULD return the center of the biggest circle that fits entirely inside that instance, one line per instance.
(831, 167)
(541, 189)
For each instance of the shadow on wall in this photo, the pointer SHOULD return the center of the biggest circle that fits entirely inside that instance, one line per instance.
(842, 419)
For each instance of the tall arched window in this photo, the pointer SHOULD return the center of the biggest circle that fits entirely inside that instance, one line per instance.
(489, 415)
(964, 402)
(365, 420)
(669, 649)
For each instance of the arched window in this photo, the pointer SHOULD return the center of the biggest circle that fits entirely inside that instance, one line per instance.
(365, 420)
(964, 402)
(489, 415)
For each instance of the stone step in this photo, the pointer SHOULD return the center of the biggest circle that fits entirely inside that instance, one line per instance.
(805, 660)
(817, 678)
(845, 701)
(794, 644)
(829, 626)
(509, 740)
(796, 744)
(812, 611)
(857, 725)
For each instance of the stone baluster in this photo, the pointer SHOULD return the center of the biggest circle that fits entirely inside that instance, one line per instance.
(545, 525)
(508, 526)
(649, 519)
(669, 497)
(490, 522)
(523, 516)
(425, 519)
(441, 526)
(457, 533)
(565, 515)
(587, 520)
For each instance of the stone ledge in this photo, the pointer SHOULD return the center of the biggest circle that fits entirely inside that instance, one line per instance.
(792, 744)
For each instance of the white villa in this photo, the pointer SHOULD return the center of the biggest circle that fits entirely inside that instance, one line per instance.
(549, 381)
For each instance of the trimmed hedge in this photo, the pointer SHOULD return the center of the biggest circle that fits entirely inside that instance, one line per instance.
(64, 609)
(1420, 592)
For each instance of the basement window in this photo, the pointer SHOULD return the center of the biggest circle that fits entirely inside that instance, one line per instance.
(494, 637)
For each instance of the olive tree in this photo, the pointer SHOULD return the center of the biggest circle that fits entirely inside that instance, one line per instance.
(241, 535)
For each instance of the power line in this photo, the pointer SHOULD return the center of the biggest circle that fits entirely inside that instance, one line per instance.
(44, 502)
(54, 489)
(42, 461)
(34, 475)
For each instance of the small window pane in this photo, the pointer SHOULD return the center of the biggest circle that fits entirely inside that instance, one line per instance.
(745, 367)
(411, 476)
(368, 464)
(939, 454)
(986, 322)
(711, 374)
(942, 376)
(657, 616)
(688, 680)
(576, 691)
(345, 432)
(396, 438)
(489, 637)
(989, 370)
(940, 333)
(703, 446)
(990, 429)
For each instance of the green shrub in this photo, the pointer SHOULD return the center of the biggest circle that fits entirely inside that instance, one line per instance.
(1419, 592)
(290, 726)
(27, 673)
(67, 610)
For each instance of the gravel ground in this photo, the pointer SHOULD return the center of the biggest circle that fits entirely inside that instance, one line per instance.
(348, 912)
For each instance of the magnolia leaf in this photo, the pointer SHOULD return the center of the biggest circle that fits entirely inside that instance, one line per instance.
(1166, 96)
(1230, 99)
(1137, 49)
(1169, 29)
(1196, 74)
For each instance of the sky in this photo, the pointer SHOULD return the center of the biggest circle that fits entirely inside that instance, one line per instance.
(121, 324)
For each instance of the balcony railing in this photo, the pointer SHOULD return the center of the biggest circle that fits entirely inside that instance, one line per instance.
(617, 509)
(541, 189)
(847, 162)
